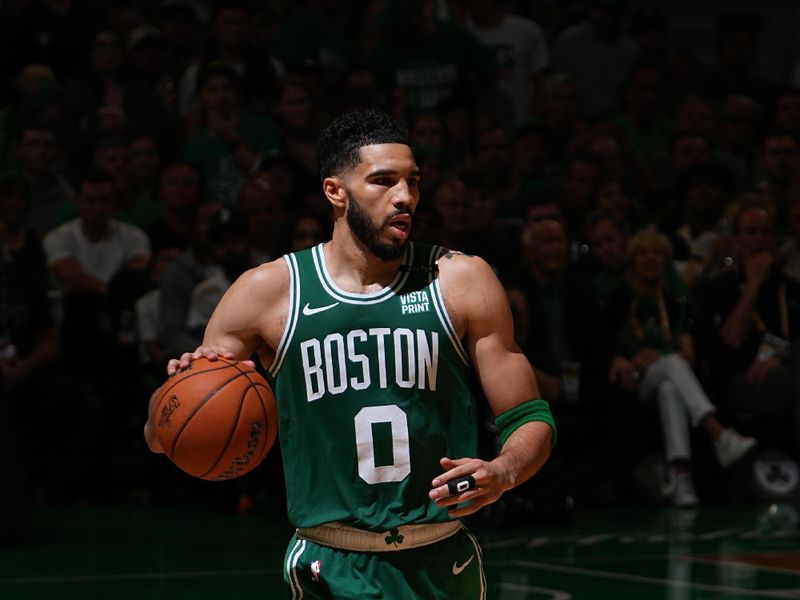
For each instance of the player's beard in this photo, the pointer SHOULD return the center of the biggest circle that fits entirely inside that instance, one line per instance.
(369, 234)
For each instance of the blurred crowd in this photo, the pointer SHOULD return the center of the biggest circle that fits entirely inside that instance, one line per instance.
(641, 207)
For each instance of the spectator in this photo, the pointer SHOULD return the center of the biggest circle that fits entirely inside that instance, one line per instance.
(427, 61)
(453, 206)
(520, 50)
(231, 142)
(613, 55)
(148, 322)
(179, 193)
(701, 230)
(753, 313)
(86, 252)
(653, 354)
(105, 102)
(580, 184)
(230, 248)
(778, 167)
(37, 156)
(738, 126)
(494, 239)
(299, 121)
(34, 100)
(695, 114)
(563, 313)
(786, 115)
(87, 256)
(737, 51)
(608, 241)
(111, 155)
(561, 108)
(195, 264)
(309, 229)
(144, 155)
(230, 45)
(643, 123)
(265, 217)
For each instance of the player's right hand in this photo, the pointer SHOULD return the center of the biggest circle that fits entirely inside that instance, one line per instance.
(176, 365)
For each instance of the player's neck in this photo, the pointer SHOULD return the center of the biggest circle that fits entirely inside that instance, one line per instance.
(354, 268)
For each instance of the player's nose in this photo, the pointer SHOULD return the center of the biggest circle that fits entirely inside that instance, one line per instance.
(403, 195)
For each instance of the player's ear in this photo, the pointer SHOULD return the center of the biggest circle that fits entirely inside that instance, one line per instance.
(333, 187)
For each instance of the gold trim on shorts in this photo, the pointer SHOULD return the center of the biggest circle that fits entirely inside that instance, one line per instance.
(345, 537)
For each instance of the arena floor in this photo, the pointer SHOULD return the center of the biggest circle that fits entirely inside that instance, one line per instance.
(149, 552)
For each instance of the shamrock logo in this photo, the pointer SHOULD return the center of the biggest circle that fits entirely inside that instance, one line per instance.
(394, 537)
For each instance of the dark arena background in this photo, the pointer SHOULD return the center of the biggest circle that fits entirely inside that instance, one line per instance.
(629, 169)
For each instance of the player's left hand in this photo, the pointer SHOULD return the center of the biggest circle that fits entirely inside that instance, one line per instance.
(491, 480)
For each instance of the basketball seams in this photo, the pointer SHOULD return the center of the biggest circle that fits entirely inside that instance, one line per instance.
(255, 386)
(233, 429)
(177, 380)
(196, 409)
(236, 413)
(267, 445)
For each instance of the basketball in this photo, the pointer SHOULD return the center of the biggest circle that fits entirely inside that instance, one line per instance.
(217, 419)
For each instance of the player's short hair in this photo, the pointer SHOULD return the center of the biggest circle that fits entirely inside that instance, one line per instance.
(339, 143)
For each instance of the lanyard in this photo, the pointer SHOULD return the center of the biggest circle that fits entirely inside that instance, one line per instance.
(783, 309)
(663, 316)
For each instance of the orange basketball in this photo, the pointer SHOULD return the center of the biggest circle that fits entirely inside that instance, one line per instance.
(217, 419)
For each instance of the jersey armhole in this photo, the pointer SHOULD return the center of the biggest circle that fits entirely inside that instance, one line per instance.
(291, 321)
(441, 310)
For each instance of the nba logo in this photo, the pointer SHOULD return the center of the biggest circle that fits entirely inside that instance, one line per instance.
(316, 567)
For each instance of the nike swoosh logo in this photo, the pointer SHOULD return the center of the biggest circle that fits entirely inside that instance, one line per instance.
(458, 568)
(308, 311)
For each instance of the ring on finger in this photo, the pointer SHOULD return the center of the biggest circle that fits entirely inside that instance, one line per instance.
(460, 484)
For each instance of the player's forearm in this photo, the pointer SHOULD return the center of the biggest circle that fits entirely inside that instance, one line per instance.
(524, 452)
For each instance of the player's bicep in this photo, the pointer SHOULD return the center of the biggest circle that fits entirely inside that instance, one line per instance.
(234, 323)
(505, 374)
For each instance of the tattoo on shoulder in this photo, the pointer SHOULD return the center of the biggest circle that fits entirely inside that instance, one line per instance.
(451, 253)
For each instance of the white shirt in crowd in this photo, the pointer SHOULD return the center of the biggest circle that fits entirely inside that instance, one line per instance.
(102, 259)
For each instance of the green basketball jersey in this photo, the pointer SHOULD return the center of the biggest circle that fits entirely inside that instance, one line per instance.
(372, 391)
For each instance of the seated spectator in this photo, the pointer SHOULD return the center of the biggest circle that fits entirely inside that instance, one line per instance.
(608, 242)
(230, 43)
(563, 312)
(653, 354)
(495, 240)
(179, 193)
(454, 208)
(111, 155)
(86, 252)
(230, 143)
(266, 219)
(753, 314)
(778, 167)
(230, 246)
(561, 109)
(309, 229)
(194, 265)
(144, 155)
(701, 237)
(299, 120)
(37, 156)
(148, 320)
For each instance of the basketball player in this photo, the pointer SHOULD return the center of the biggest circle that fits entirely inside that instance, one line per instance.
(369, 340)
